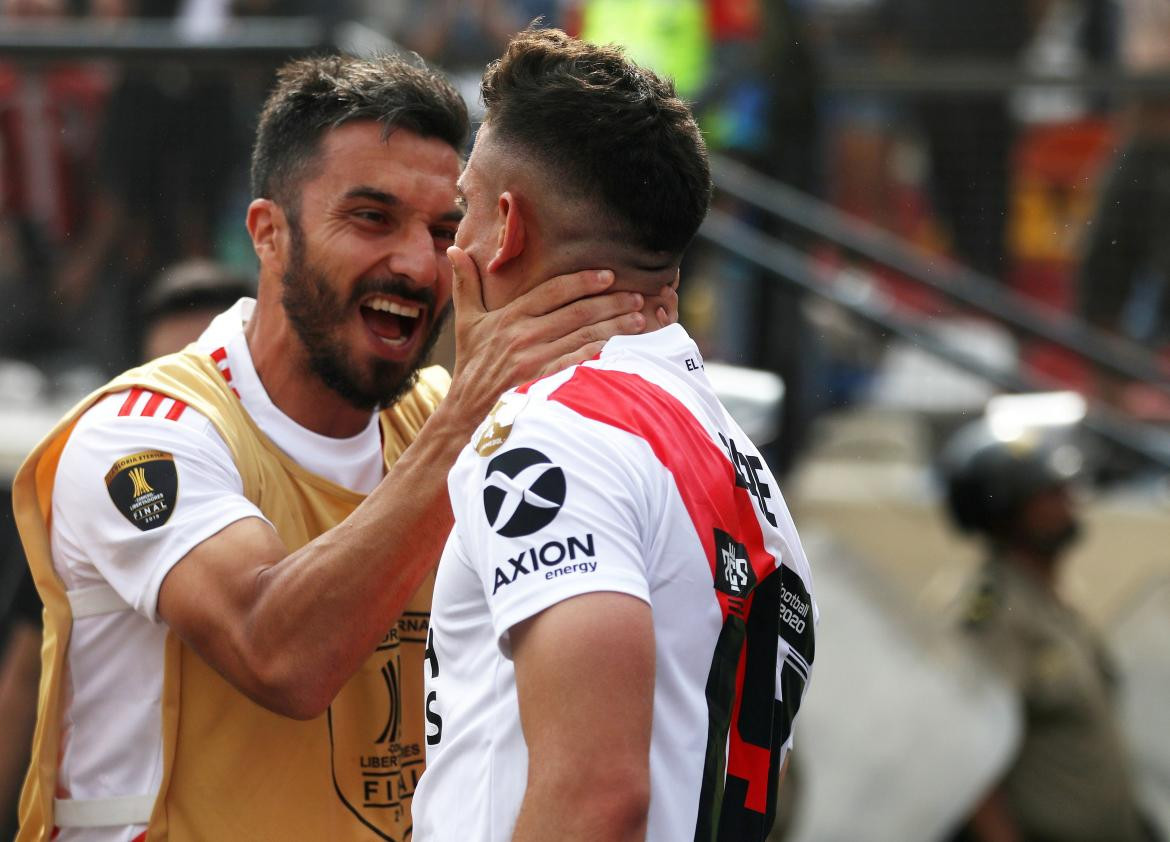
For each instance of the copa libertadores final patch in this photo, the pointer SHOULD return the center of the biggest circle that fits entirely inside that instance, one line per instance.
(144, 488)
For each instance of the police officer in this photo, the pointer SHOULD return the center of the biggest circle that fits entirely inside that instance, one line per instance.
(1070, 779)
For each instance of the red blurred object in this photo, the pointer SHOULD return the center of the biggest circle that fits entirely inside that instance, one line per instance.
(49, 122)
(734, 20)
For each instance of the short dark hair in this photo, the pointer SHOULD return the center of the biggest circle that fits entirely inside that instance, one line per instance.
(616, 131)
(314, 95)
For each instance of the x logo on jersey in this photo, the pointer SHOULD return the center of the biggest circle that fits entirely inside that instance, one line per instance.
(523, 491)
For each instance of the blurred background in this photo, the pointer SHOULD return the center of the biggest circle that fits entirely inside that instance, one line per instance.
(929, 214)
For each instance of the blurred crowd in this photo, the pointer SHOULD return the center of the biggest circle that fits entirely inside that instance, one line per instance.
(110, 173)
(114, 170)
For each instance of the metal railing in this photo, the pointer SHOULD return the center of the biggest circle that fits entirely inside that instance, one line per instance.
(796, 268)
(957, 283)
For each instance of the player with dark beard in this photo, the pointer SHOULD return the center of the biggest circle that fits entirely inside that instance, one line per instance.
(234, 547)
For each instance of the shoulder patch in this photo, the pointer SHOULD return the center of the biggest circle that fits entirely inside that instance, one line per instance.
(496, 428)
(522, 493)
(144, 488)
(734, 575)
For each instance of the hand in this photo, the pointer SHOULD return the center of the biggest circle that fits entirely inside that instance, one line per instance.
(559, 323)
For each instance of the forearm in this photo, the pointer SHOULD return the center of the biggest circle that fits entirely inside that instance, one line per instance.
(295, 627)
(388, 546)
(607, 812)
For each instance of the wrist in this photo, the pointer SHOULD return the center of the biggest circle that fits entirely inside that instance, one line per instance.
(454, 421)
(466, 405)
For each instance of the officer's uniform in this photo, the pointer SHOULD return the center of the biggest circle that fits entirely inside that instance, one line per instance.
(1069, 781)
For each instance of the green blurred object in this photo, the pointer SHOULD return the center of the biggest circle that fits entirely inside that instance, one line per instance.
(668, 36)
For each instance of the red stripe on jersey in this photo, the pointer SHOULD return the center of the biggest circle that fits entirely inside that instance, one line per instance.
(219, 354)
(176, 410)
(226, 371)
(131, 399)
(703, 474)
(706, 481)
(152, 405)
(140, 837)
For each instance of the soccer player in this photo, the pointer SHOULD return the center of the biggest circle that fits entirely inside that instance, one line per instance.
(623, 619)
(234, 544)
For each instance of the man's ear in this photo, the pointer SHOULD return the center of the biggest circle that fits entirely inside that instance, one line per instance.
(511, 238)
(268, 228)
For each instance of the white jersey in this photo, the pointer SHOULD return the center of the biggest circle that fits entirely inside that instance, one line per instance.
(624, 474)
(111, 735)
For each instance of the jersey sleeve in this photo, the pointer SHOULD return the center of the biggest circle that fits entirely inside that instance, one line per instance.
(134, 495)
(560, 509)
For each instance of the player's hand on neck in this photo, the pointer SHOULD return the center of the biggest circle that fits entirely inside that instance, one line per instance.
(558, 323)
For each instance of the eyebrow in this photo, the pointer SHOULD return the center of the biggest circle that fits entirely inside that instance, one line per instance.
(372, 194)
(389, 199)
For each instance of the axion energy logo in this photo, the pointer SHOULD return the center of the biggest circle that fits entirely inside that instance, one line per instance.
(523, 491)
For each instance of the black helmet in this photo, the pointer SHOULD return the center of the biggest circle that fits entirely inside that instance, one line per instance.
(989, 479)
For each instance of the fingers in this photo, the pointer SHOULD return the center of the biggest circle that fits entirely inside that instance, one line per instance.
(559, 291)
(466, 287)
(586, 342)
(559, 323)
(593, 316)
(667, 314)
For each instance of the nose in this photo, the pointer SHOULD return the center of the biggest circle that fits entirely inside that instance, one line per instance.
(413, 254)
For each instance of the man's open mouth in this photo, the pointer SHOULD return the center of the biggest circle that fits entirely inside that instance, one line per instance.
(395, 323)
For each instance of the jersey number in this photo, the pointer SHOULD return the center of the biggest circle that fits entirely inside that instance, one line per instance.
(737, 802)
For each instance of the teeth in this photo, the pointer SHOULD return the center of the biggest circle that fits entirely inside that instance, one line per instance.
(388, 306)
(395, 343)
